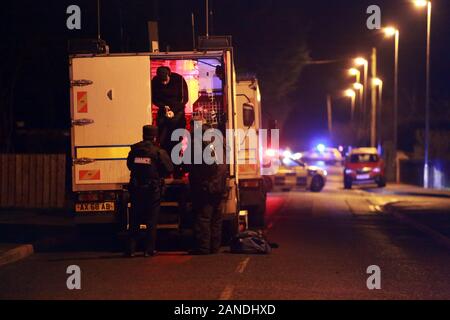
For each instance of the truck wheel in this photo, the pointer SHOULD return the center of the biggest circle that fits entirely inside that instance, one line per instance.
(317, 184)
(256, 217)
(381, 182)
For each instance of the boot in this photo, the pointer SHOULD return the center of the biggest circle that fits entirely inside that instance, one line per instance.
(131, 250)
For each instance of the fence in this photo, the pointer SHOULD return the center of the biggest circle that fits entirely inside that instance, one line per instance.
(32, 180)
(411, 172)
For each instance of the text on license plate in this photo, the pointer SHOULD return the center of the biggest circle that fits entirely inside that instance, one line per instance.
(363, 176)
(94, 206)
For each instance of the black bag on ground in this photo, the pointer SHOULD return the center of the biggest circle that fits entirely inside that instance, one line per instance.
(250, 242)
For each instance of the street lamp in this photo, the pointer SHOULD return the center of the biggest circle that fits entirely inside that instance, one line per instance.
(420, 3)
(355, 72)
(377, 82)
(393, 32)
(360, 88)
(352, 95)
(427, 4)
(360, 61)
(357, 86)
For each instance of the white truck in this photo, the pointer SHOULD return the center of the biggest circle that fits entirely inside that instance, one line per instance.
(111, 101)
(252, 186)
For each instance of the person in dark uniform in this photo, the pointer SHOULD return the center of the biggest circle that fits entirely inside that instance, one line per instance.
(208, 186)
(148, 164)
(170, 94)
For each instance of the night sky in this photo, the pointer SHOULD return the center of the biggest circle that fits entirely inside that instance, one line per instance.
(34, 49)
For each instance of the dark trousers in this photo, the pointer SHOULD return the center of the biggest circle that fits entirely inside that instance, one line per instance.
(208, 222)
(145, 205)
(166, 126)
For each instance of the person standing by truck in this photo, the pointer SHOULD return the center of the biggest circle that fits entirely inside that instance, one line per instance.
(208, 186)
(170, 94)
(148, 164)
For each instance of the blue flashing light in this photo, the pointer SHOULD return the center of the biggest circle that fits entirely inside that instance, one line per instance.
(320, 147)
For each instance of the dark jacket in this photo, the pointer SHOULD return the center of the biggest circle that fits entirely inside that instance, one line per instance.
(207, 178)
(175, 94)
(148, 163)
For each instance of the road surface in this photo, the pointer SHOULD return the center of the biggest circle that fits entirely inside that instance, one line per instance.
(326, 243)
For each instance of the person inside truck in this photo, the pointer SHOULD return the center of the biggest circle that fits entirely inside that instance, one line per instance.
(170, 94)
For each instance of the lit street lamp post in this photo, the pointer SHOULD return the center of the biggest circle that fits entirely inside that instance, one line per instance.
(360, 88)
(363, 62)
(427, 4)
(390, 31)
(378, 83)
(352, 95)
(355, 72)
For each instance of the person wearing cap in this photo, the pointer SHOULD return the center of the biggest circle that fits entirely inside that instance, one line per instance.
(148, 165)
(170, 94)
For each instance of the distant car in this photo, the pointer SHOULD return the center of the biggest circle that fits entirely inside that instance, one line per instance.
(363, 166)
(327, 155)
(293, 173)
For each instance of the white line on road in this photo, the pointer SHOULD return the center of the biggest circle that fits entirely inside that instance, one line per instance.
(375, 208)
(242, 265)
(226, 293)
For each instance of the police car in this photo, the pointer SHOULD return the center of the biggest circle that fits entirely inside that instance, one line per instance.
(328, 155)
(293, 173)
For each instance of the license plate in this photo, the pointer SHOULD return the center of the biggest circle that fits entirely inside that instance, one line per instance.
(363, 176)
(95, 206)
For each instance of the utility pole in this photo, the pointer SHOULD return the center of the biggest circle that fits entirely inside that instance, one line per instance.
(330, 116)
(379, 111)
(373, 118)
(98, 20)
(427, 104)
(207, 18)
(193, 30)
(397, 40)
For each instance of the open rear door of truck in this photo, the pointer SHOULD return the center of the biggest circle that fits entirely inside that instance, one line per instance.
(110, 102)
(248, 100)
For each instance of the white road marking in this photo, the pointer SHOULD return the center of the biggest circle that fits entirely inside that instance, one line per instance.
(227, 293)
(242, 265)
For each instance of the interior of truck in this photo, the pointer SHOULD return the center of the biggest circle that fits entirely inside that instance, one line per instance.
(204, 78)
(206, 103)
